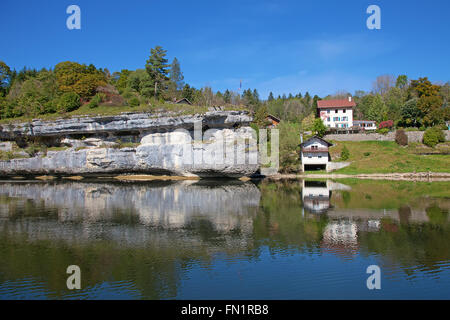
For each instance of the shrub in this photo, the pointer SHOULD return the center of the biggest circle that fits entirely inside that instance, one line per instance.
(68, 102)
(319, 128)
(386, 124)
(134, 102)
(345, 154)
(366, 154)
(95, 101)
(383, 130)
(401, 138)
(433, 136)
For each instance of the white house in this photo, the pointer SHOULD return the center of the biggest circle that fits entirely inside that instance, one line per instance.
(336, 113)
(316, 196)
(314, 153)
(365, 124)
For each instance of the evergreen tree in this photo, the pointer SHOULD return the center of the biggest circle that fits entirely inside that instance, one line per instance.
(5, 76)
(227, 96)
(175, 74)
(270, 96)
(157, 68)
(255, 96)
(188, 93)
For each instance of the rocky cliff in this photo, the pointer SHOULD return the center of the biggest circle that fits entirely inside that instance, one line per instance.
(223, 145)
(126, 122)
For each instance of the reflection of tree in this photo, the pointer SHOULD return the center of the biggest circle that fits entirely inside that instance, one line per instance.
(403, 241)
(404, 214)
(409, 244)
(280, 220)
(437, 215)
(152, 275)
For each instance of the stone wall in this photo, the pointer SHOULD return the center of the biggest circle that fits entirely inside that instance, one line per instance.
(413, 136)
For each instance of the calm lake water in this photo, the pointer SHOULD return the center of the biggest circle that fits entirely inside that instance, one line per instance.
(225, 240)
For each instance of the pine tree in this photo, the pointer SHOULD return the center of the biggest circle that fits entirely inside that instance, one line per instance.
(255, 95)
(157, 68)
(175, 74)
(270, 96)
(227, 96)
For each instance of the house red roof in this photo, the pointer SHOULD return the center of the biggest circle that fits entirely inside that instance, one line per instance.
(337, 103)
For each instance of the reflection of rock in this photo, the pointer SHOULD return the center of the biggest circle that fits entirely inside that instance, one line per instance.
(110, 207)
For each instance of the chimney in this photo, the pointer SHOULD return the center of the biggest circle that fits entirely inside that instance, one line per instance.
(350, 99)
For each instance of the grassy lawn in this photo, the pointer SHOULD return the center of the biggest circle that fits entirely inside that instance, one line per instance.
(387, 157)
(383, 194)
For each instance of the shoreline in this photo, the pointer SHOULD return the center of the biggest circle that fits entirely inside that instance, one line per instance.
(409, 176)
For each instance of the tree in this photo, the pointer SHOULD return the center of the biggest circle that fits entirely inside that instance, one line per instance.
(394, 100)
(319, 127)
(175, 74)
(255, 95)
(188, 92)
(431, 108)
(314, 103)
(270, 96)
(251, 98)
(308, 122)
(5, 74)
(68, 102)
(78, 78)
(410, 113)
(261, 117)
(227, 96)
(122, 79)
(423, 87)
(376, 110)
(383, 83)
(402, 81)
(430, 101)
(156, 67)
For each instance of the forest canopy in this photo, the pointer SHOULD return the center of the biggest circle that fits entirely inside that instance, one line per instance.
(71, 85)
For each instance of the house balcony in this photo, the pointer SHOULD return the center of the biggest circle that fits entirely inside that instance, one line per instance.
(314, 150)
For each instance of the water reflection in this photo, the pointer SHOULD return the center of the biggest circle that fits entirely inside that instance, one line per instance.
(184, 239)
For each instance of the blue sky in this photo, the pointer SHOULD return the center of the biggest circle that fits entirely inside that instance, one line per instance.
(320, 46)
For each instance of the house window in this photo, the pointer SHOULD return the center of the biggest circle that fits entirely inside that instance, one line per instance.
(336, 111)
(345, 110)
(328, 111)
(320, 157)
(328, 119)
